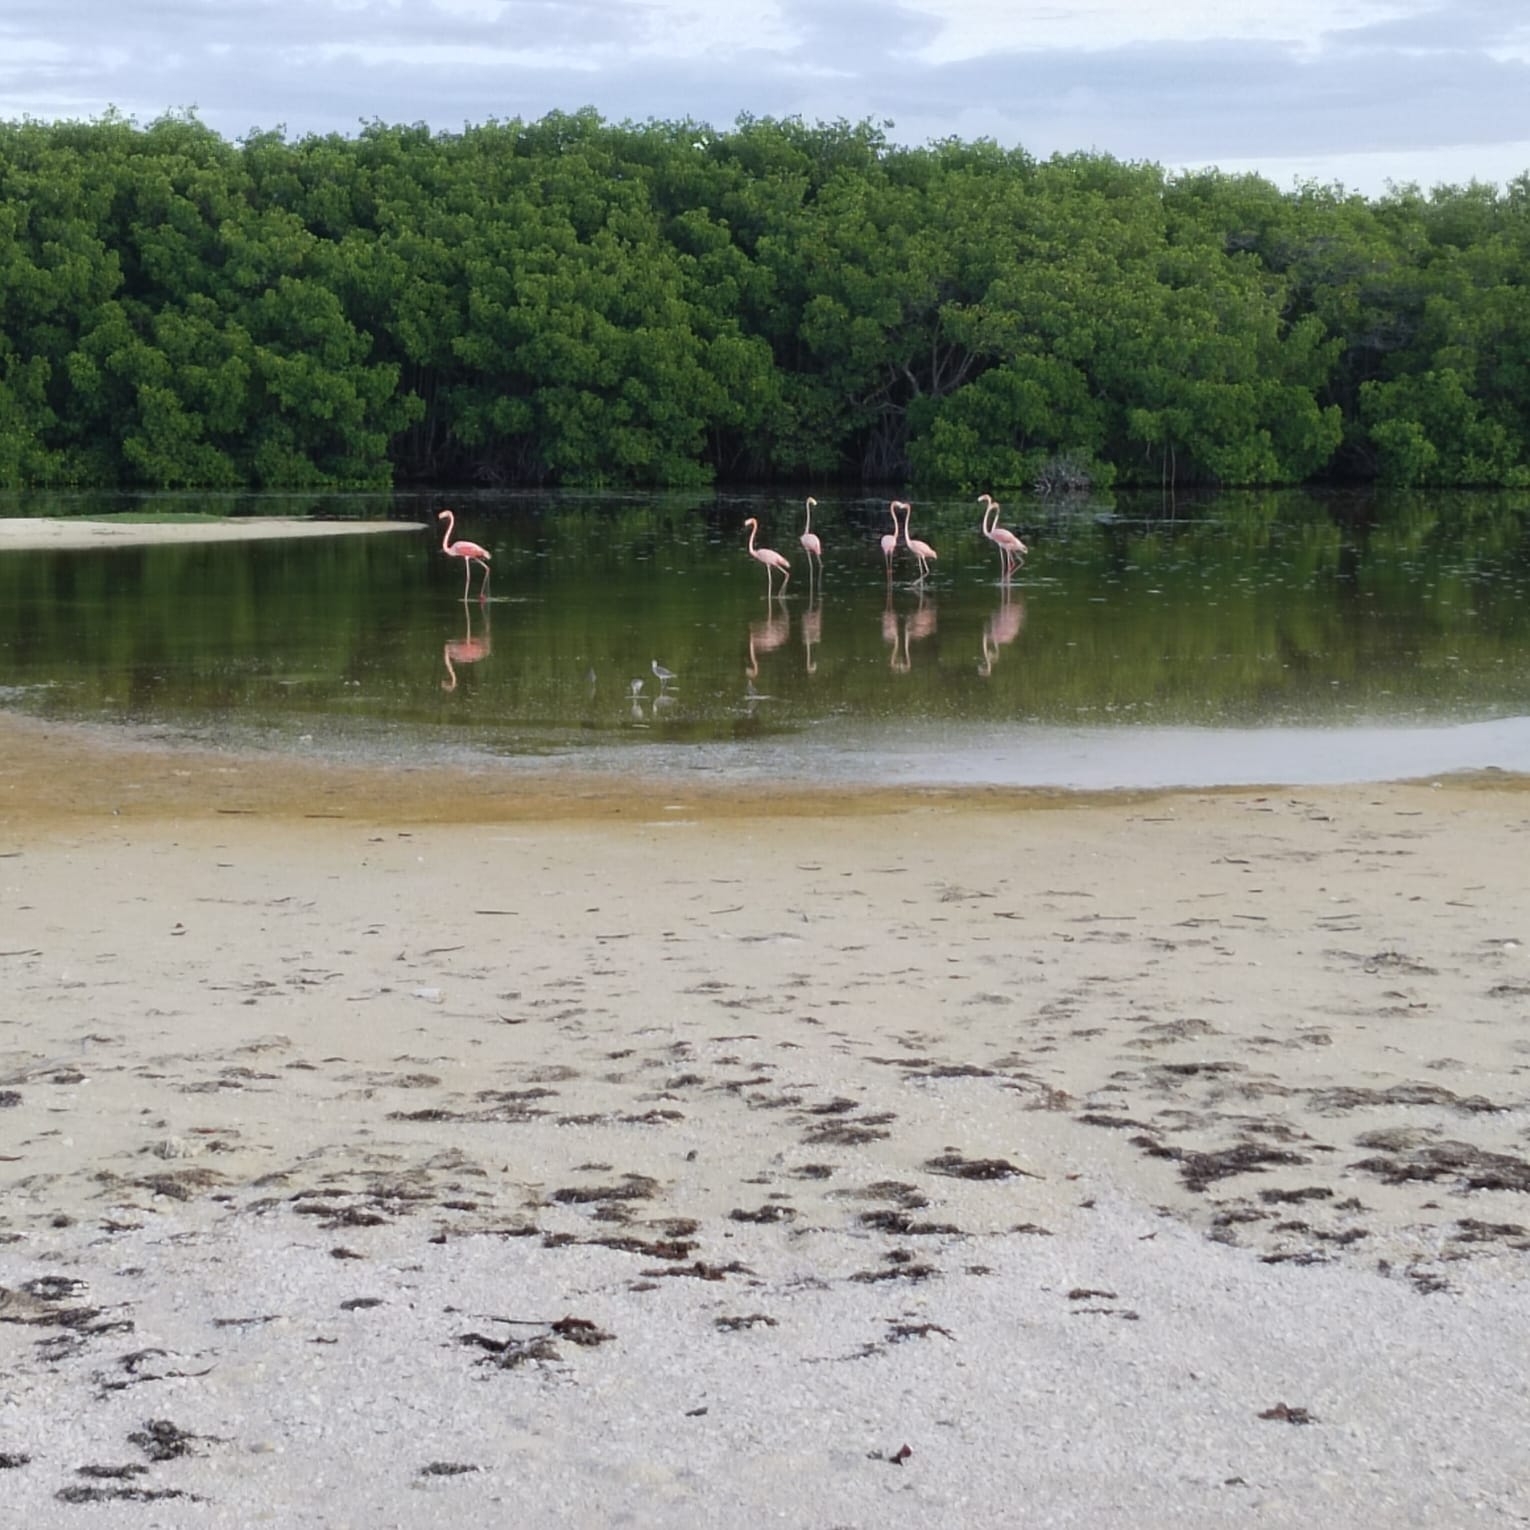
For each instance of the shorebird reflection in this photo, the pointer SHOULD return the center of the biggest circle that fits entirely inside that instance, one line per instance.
(892, 632)
(467, 649)
(1001, 628)
(812, 632)
(898, 631)
(767, 635)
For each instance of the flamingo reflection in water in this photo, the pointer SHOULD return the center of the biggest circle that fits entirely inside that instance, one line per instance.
(766, 637)
(920, 622)
(466, 649)
(1001, 628)
(812, 632)
(892, 635)
(899, 631)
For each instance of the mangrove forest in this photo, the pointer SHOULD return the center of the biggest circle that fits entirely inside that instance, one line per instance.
(571, 301)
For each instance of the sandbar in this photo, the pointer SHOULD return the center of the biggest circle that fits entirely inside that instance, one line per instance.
(29, 533)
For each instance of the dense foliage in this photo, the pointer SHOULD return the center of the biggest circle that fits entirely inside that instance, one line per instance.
(572, 301)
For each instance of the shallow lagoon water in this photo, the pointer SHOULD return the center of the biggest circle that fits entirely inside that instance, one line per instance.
(1278, 638)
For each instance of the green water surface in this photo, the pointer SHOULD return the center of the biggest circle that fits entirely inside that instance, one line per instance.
(1283, 636)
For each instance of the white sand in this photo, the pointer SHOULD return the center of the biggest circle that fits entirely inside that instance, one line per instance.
(528, 1069)
(23, 533)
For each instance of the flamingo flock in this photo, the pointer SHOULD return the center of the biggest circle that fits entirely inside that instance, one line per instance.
(1012, 552)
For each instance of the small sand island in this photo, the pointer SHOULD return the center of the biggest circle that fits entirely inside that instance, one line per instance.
(389, 1147)
(63, 533)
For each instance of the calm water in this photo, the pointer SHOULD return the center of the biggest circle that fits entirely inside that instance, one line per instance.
(1274, 637)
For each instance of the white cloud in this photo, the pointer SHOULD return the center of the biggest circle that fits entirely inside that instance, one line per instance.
(1515, 47)
(1359, 90)
(1372, 172)
(448, 55)
(696, 29)
(473, 10)
(28, 52)
(973, 28)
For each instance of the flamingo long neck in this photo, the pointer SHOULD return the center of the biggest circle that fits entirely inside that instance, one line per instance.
(451, 525)
(752, 529)
(808, 525)
(908, 513)
(990, 519)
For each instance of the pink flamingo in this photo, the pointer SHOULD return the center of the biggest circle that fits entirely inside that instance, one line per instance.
(469, 552)
(921, 550)
(809, 539)
(890, 539)
(466, 650)
(1012, 551)
(770, 558)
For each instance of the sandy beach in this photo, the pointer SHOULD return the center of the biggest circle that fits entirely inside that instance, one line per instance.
(384, 1151)
(66, 533)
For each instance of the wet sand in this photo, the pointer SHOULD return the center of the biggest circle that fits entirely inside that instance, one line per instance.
(378, 1148)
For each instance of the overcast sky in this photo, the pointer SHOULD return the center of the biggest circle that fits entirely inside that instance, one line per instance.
(1359, 91)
